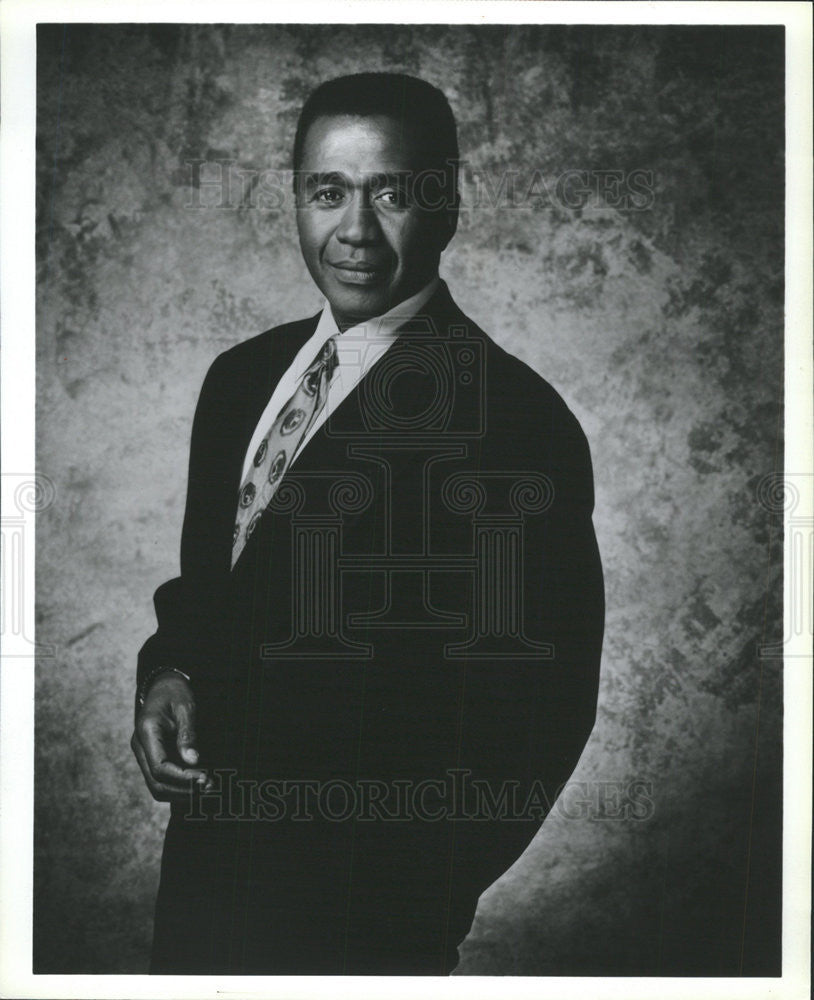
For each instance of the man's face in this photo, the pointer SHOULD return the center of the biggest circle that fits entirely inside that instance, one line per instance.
(366, 243)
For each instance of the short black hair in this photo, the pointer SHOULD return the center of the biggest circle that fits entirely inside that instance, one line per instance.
(421, 109)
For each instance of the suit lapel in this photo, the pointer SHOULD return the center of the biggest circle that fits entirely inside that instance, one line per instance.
(259, 377)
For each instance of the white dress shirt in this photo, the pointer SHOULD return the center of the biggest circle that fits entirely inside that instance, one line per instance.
(358, 349)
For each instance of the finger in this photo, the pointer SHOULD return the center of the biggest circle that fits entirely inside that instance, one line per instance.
(152, 733)
(162, 769)
(159, 791)
(181, 777)
(187, 737)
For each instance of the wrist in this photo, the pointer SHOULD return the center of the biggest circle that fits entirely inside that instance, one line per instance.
(153, 676)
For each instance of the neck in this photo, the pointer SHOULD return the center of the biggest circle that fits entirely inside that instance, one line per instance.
(345, 322)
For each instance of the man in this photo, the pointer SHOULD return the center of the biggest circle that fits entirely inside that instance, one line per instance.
(379, 662)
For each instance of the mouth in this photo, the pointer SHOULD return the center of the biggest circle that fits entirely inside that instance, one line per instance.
(359, 272)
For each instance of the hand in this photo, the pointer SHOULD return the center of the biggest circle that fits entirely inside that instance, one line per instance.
(164, 739)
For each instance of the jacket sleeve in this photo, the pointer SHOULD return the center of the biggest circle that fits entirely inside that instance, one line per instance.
(184, 605)
(538, 715)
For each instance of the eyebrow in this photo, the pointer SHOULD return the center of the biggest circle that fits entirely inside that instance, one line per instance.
(334, 177)
(376, 180)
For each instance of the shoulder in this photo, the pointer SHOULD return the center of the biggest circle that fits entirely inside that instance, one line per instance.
(253, 366)
(247, 372)
(268, 346)
(528, 424)
(517, 393)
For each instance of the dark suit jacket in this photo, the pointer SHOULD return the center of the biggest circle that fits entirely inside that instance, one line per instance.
(423, 598)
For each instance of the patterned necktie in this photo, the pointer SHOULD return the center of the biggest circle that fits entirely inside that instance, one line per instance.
(279, 446)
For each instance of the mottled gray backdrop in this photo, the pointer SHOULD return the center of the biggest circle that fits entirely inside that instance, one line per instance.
(622, 233)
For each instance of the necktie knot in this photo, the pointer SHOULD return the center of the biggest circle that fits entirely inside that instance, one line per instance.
(324, 364)
(329, 350)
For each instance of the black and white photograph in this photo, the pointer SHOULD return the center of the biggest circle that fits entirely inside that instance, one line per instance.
(419, 459)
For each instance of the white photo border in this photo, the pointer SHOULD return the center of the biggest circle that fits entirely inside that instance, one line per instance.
(18, 21)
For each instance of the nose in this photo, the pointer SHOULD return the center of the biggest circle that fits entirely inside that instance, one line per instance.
(358, 225)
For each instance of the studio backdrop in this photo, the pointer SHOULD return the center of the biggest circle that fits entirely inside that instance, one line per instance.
(622, 233)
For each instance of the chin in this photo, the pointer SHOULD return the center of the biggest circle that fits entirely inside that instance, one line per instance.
(361, 305)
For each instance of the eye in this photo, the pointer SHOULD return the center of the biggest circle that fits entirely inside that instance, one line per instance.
(393, 198)
(328, 196)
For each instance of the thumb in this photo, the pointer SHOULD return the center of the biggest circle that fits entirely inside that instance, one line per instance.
(187, 737)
